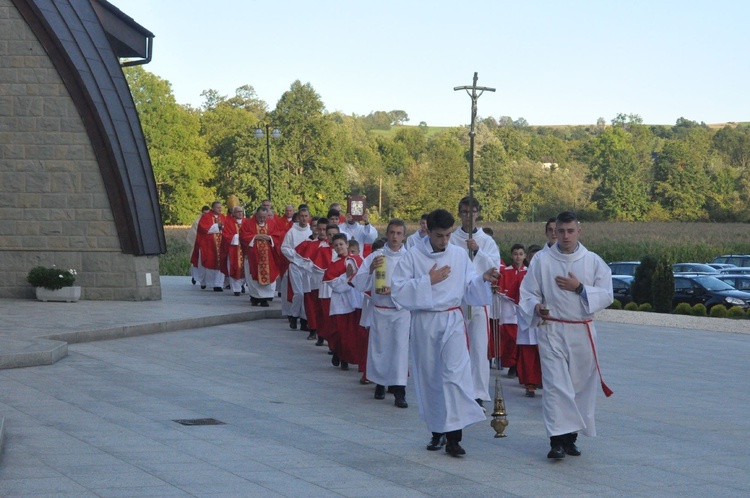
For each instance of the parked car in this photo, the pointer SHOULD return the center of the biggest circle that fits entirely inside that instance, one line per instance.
(721, 266)
(624, 267)
(698, 268)
(734, 259)
(737, 270)
(709, 290)
(739, 282)
(621, 288)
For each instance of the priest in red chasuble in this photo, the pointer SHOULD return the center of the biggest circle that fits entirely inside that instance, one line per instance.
(262, 244)
(209, 240)
(233, 252)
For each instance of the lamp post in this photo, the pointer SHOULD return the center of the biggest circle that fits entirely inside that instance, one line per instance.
(275, 133)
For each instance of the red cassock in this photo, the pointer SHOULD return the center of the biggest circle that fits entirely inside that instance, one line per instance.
(233, 254)
(362, 335)
(262, 258)
(510, 285)
(308, 249)
(210, 244)
(321, 258)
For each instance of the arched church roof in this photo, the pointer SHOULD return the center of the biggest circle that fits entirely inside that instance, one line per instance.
(73, 35)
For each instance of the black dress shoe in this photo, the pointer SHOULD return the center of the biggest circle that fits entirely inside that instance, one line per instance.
(320, 341)
(218, 289)
(293, 323)
(243, 289)
(454, 449)
(436, 442)
(512, 372)
(335, 360)
(379, 392)
(264, 303)
(557, 452)
(203, 286)
(344, 365)
(236, 293)
(312, 336)
(303, 325)
(192, 280)
(572, 450)
(400, 402)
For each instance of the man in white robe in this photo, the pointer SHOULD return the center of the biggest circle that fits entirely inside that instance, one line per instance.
(363, 233)
(432, 280)
(486, 255)
(417, 236)
(388, 344)
(573, 284)
(298, 266)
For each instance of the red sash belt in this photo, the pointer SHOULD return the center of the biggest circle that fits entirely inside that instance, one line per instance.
(607, 391)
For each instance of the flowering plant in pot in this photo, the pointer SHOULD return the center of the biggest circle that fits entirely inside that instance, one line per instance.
(54, 284)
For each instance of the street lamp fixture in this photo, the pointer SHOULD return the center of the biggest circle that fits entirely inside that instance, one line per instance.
(275, 133)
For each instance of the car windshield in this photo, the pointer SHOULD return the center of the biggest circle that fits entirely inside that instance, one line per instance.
(713, 284)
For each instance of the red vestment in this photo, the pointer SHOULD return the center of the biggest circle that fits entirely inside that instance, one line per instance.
(510, 285)
(210, 244)
(341, 332)
(307, 250)
(263, 257)
(361, 334)
(234, 255)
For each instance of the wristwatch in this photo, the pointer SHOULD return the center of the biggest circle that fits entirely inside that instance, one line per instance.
(579, 289)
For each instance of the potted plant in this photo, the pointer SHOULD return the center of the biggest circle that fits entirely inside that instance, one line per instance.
(54, 284)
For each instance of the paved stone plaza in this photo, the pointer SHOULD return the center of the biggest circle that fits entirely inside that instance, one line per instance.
(99, 422)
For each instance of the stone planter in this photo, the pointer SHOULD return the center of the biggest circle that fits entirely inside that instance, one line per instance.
(66, 294)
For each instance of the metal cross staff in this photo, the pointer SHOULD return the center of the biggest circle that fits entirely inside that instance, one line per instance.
(472, 133)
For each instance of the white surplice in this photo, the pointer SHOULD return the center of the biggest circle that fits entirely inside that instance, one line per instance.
(438, 343)
(486, 257)
(298, 266)
(569, 369)
(414, 239)
(364, 234)
(388, 344)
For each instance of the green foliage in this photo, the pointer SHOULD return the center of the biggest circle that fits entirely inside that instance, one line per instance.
(182, 168)
(662, 284)
(627, 171)
(642, 286)
(645, 307)
(683, 309)
(631, 306)
(616, 305)
(176, 261)
(736, 312)
(719, 311)
(699, 309)
(51, 278)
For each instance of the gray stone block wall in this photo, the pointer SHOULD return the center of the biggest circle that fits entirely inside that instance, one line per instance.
(54, 209)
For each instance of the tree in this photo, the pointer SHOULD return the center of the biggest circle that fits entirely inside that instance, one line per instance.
(182, 168)
(680, 180)
(398, 117)
(311, 167)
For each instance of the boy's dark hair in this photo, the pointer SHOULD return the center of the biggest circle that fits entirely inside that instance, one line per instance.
(205, 208)
(378, 244)
(550, 221)
(314, 220)
(397, 222)
(322, 220)
(534, 248)
(566, 217)
(295, 217)
(338, 236)
(304, 209)
(470, 201)
(331, 225)
(424, 216)
(440, 219)
(488, 231)
(333, 212)
(352, 243)
(303, 206)
(517, 246)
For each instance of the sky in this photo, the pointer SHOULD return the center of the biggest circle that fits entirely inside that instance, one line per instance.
(552, 62)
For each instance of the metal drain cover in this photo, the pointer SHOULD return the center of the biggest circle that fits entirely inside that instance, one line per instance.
(199, 421)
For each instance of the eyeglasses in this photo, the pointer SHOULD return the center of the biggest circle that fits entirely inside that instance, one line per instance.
(464, 213)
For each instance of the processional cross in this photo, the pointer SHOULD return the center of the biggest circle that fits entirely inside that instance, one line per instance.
(472, 133)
